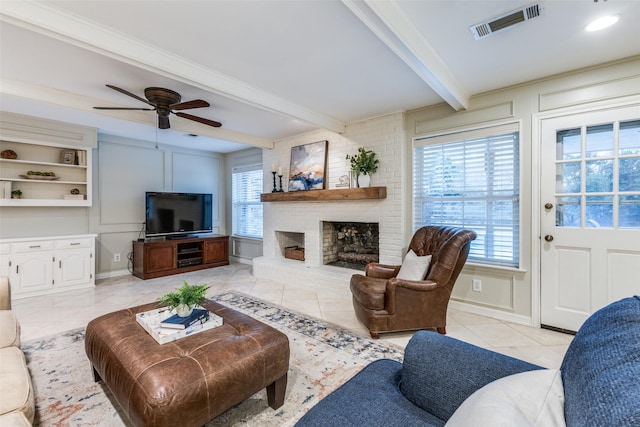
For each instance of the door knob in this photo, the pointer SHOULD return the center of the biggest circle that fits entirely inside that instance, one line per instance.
(548, 206)
(548, 238)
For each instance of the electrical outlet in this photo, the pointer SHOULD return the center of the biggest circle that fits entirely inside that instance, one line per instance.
(116, 257)
(476, 285)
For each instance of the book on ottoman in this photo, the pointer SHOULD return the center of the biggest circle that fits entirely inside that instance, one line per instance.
(151, 322)
(177, 322)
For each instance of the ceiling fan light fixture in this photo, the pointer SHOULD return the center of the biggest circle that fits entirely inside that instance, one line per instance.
(602, 23)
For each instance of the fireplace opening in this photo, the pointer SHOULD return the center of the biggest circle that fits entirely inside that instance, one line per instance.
(350, 244)
(291, 244)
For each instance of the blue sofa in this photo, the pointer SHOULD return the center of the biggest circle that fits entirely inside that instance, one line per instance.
(446, 381)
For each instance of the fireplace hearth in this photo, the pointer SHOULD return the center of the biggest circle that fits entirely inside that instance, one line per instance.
(350, 244)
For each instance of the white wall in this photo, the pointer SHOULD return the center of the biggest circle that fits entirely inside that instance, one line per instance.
(125, 169)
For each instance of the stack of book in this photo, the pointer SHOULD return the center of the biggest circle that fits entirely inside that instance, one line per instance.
(166, 326)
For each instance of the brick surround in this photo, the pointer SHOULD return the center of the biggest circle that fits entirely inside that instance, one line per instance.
(385, 135)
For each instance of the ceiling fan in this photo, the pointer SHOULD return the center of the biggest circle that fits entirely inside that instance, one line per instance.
(164, 102)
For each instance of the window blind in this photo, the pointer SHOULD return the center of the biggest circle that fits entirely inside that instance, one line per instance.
(471, 179)
(246, 186)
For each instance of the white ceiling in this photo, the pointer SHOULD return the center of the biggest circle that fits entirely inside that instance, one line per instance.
(271, 69)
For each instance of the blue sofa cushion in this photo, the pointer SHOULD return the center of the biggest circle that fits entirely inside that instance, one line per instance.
(370, 398)
(439, 372)
(601, 369)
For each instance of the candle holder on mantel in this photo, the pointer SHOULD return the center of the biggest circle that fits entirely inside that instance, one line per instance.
(280, 190)
(275, 190)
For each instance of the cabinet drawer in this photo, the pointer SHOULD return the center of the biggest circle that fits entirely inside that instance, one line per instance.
(73, 243)
(5, 248)
(33, 246)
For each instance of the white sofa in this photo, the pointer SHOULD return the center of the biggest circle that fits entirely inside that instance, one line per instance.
(17, 404)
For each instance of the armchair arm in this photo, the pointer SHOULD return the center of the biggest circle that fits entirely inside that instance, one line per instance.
(440, 372)
(414, 285)
(381, 271)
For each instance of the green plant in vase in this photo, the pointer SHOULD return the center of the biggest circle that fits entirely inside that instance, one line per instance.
(185, 298)
(363, 163)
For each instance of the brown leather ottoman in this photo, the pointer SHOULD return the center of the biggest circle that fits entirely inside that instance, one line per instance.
(194, 379)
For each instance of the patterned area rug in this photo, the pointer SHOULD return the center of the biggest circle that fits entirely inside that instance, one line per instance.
(323, 356)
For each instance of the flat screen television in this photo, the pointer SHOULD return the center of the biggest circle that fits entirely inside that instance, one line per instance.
(174, 214)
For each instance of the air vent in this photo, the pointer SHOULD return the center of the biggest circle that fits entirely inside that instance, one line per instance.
(501, 23)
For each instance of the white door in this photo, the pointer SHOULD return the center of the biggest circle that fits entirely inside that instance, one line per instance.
(590, 224)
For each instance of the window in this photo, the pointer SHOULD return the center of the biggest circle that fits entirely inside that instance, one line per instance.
(246, 186)
(597, 176)
(471, 179)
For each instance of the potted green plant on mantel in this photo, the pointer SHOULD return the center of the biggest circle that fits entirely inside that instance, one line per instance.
(185, 298)
(363, 163)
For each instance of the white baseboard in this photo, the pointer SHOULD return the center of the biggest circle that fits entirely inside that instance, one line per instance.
(114, 273)
(490, 312)
(246, 261)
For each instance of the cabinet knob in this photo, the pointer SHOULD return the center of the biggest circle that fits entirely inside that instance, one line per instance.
(548, 238)
(548, 206)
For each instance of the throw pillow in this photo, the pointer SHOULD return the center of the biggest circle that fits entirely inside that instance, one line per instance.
(414, 267)
(534, 398)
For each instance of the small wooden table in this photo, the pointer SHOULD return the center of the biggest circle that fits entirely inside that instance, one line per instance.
(194, 379)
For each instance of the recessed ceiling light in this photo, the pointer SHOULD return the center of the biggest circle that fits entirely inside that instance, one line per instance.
(602, 23)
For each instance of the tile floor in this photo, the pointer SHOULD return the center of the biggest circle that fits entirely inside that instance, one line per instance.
(50, 314)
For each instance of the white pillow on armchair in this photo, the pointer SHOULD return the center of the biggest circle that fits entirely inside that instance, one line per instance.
(414, 267)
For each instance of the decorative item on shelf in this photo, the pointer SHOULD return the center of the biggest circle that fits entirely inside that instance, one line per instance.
(16, 194)
(75, 195)
(184, 298)
(363, 163)
(5, 189)
(68, 157)
(8, 154)
(280, 190)
(343, 182)
(307, 169)
(81, 158)
(273, 172)
(43, 176)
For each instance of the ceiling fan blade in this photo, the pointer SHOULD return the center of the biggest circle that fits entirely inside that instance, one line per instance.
(116, 88)
(196, 103)
(118, 108)
(163, 122)
(199, 119)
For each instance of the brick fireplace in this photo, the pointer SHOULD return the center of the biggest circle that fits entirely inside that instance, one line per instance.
(385, 136)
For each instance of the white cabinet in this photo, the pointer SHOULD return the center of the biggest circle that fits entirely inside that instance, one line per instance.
(53, 162)
(38, 266)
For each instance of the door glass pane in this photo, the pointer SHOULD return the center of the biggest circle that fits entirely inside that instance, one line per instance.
(630, 174)
(568, 144)
(629, 140)
(568, 212)
(599, 212)
(568, 177)
(629, 215)
(599, 176)
(599, 141)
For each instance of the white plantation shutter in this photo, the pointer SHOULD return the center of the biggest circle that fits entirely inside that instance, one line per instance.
(471, 179)
(246, 186)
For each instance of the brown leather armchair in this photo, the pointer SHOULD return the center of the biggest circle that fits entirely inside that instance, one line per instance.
(385, 303)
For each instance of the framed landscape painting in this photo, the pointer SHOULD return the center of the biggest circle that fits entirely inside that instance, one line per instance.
(307, 168)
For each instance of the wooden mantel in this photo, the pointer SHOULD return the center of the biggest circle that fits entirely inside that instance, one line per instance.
(326, 195)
